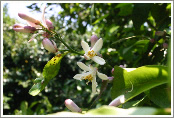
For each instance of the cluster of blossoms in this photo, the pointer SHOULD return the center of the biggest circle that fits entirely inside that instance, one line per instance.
(35, 25)
(89, 73)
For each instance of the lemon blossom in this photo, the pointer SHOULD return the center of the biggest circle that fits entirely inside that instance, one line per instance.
(90, 75)
(72, 106)
(34, 24)
(50, 46)
(92, 53)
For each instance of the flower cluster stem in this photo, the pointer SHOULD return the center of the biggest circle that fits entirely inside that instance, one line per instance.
(60, 39)
(70, 49)
(103, 88)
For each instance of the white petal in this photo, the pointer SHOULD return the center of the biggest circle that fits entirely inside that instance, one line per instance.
(43, 17)
(86, 57)
(87, 73)
(98, 45)
(102, 76)
(85, 46)
(98, 60)
(117, 101)
(34, 35)
(33, 25)
(78, 76)
(83, 66)
(94, 85)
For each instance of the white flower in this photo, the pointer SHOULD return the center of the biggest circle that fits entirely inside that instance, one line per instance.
(92, 53)
(90, 75)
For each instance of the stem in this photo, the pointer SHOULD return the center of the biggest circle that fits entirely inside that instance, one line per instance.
(60, 39)
(70, 49)
(103, 88)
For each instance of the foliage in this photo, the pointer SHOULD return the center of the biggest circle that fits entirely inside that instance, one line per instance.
(127, 30)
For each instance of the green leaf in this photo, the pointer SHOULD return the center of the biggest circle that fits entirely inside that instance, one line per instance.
(141, 46)
(101, 18)
(159, 13)
(50, 70)
(159, 96)
(140, 13)
(24, 107)
(138, 80)
(110, 110)
(125, 9)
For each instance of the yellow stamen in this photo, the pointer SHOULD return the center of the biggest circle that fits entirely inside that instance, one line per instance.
(88, 77)
(91, 53)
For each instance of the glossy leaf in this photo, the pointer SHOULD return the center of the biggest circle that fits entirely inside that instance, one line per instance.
(110, 110)
(159, 96)
(50, 70)
(137, 81)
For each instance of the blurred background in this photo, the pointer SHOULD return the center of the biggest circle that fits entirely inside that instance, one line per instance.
(130, 39)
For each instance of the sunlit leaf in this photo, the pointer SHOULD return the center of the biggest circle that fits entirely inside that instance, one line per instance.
(110, 110)
(101, 18)
(50, 70)
(137, 81)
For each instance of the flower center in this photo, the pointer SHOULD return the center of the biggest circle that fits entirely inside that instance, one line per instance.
(91, 53)
(88, 77)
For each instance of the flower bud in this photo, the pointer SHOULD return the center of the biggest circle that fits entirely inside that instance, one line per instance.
(112, 71)
(152, 40)
(50, 46)
(160, 33)
(49, 24)
(94, 39)
(24, 29)
(117, 101)
(72, 106)
(110, 79)
(122, 66)
(28, 18)
(165, 45)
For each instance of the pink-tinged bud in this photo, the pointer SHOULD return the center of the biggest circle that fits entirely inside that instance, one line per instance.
(112, 71)
(117, 101)
(50, 46)
(122, 66)
(152, 40)
(72, 106)
(165, 45)
(110, 79)
(94, 39)
(49, 24)
(160, 33)
(24, 29)
(28, 18)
